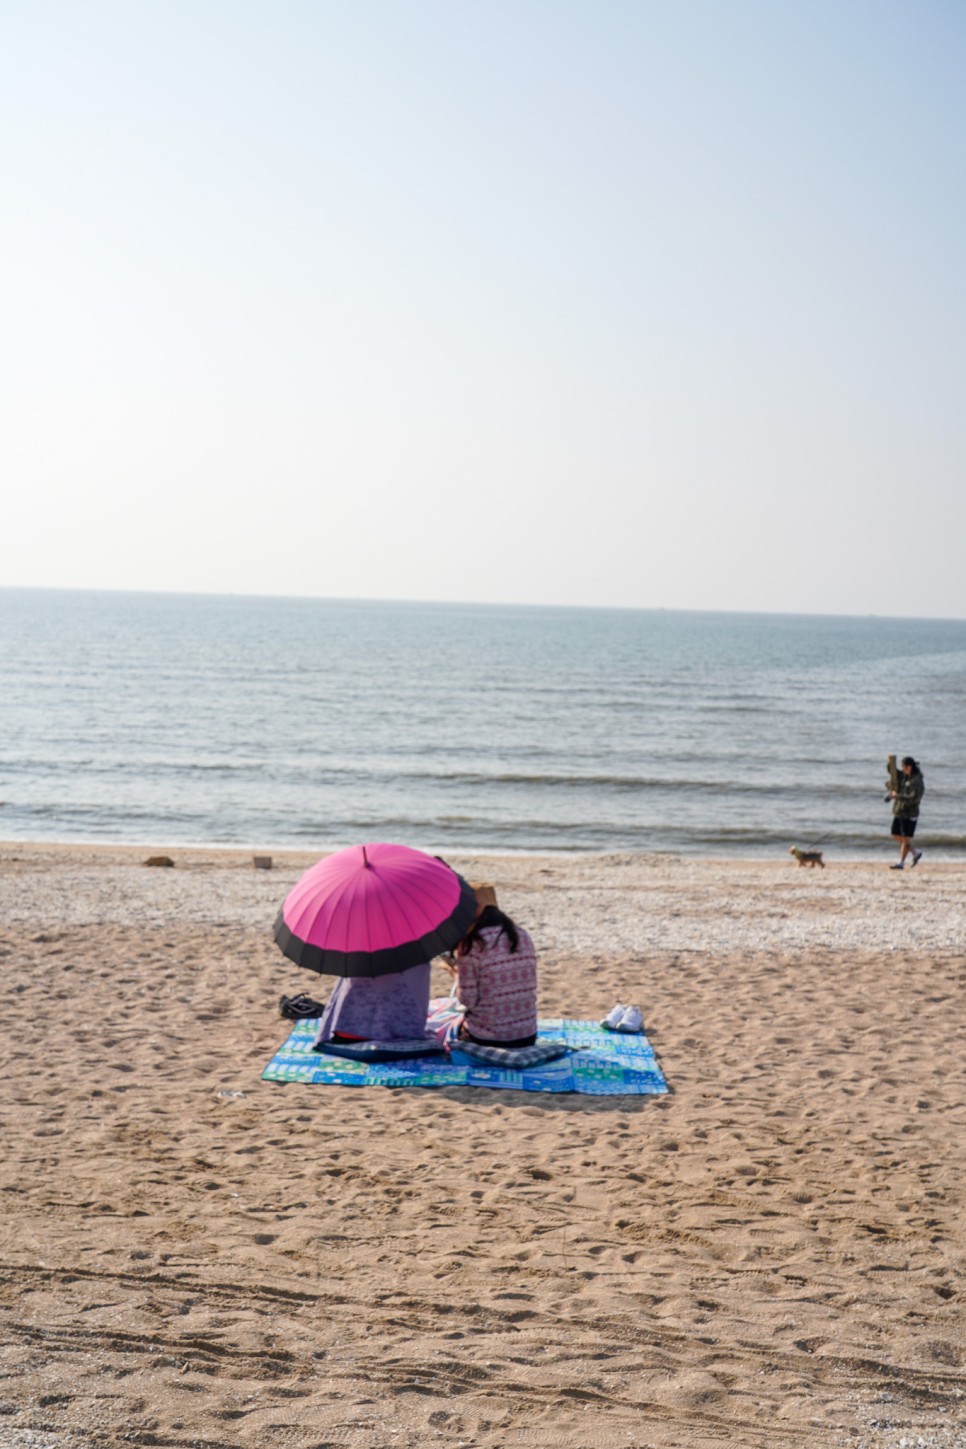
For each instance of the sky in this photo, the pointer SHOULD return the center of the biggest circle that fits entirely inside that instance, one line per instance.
(616, 303)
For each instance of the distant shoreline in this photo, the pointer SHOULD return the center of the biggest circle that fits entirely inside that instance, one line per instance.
(293, 855)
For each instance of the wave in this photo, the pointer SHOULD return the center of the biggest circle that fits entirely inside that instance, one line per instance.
(462, 831)
(152, 717)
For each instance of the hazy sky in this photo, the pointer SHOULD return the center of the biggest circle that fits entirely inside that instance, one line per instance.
(658, 303)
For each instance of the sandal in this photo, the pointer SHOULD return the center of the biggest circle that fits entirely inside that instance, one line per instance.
(299, 1008)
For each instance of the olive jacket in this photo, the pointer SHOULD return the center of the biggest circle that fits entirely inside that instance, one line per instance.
(909, 791)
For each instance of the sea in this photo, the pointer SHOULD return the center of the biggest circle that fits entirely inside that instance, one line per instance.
(167, 720)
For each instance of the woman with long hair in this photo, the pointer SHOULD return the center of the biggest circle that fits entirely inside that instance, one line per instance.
(496, 982)
(906, 789)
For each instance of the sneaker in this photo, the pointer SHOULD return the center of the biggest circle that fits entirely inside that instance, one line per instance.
(632, 1020)
(916, 857)
(897, 866)
(611, 1021)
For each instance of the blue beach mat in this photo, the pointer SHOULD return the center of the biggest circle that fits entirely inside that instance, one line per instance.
(600, 1064)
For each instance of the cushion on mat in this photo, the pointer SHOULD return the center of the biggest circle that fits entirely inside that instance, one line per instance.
(512, 1057)
(381, 1051)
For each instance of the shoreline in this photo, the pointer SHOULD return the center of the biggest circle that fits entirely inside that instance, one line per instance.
(938, 855)
(594, 905)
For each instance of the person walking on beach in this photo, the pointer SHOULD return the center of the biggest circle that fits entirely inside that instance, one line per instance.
(906, 789)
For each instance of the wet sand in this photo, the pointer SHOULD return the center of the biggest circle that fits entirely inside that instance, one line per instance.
(773, 1254)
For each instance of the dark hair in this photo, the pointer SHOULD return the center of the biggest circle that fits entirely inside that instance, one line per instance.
(491, 916)
(908, 760)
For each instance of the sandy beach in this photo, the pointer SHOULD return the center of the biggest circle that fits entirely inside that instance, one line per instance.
(772, 1254)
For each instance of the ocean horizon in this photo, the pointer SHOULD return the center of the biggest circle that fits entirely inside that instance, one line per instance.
(272, 722)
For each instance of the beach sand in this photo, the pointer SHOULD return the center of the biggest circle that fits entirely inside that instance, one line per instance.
(772, 1254)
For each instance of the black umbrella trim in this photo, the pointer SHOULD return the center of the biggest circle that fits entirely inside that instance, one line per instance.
(387, 962)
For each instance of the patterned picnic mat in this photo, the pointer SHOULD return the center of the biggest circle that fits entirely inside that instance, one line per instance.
(602, 1064)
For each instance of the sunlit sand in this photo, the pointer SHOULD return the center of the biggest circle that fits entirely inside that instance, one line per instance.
(772, 1254)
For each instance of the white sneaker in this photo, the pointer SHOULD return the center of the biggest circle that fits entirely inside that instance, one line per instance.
(632, 1020)
(612, 1020)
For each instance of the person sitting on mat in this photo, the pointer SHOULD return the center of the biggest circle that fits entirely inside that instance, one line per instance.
(496, 980)
(378, 1008)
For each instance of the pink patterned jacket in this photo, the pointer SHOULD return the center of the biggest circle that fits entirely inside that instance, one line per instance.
(498, 987)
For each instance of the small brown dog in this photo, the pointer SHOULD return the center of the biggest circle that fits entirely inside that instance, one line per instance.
(807, 857)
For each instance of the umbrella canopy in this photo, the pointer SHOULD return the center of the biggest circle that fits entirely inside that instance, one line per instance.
(374, 909)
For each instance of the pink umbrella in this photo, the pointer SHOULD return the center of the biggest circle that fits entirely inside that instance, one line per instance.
(374, 909)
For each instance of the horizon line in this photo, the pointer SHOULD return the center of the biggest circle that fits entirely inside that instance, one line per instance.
(477, 603)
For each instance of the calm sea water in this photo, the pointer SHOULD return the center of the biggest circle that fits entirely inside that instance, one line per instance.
(171, 719)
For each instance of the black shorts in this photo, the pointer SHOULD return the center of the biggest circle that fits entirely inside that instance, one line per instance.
(521, 1041)
(903, 825)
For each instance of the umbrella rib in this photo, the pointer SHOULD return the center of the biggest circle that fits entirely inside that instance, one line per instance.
(419, 897)
(379, 904)
(334, 899)
(354, 896)
(434, 908)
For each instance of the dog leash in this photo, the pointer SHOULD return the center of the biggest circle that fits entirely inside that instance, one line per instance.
(819, 840)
